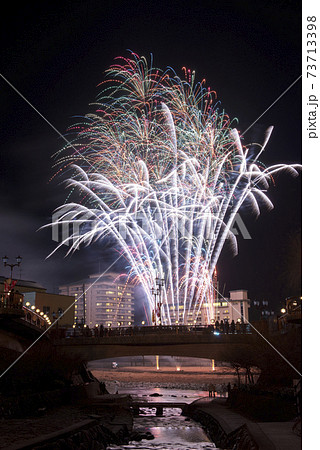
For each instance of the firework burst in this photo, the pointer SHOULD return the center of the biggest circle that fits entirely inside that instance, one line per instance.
(163, 173)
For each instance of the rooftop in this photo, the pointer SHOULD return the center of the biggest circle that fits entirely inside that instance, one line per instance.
(25, 283)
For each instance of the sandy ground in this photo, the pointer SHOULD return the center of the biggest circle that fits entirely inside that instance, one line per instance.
(187, 377)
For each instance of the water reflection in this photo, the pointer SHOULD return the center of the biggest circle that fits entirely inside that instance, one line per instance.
(178, 435)
(170, 431)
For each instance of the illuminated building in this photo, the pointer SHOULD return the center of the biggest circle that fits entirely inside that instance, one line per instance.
(234, 308)
(215, 307)
(107, 300)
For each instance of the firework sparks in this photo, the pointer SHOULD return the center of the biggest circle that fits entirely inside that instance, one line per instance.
(163, 173)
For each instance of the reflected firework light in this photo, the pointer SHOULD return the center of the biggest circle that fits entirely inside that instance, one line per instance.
(162, 176)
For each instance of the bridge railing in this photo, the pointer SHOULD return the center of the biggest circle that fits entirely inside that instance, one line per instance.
(149, 330)
(34, 318)
(11, 300)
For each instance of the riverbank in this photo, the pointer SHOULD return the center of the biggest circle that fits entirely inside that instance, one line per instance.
(113, 412)
(184, 378)
(104, 418)
(224, 426)
(269, 435)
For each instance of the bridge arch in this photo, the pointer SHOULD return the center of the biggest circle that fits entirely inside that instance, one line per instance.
(189, 345)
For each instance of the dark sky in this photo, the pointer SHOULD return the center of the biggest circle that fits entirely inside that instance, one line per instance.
(55, 55)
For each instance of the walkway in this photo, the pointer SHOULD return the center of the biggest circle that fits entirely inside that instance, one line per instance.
(268, 435)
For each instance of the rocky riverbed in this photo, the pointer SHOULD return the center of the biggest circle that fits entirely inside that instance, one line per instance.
(47, 420)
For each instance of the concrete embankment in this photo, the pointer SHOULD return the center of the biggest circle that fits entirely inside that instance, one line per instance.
(228, 429)
(89, 422)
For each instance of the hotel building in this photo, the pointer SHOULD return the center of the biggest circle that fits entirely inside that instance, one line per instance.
(107, 300)
(234, 308)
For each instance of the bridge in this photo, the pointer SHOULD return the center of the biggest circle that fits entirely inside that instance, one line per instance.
(242, 347)
(19, 325)
(200, 342)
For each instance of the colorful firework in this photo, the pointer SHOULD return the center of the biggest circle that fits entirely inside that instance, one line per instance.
(163, 173)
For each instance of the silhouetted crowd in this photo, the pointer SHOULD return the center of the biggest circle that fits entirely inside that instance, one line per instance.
(222, 327)
(225, 327)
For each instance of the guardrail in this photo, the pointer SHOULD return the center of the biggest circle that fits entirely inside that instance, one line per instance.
(96, 332)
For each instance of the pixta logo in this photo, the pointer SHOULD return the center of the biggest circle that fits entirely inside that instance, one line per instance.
(68, 226)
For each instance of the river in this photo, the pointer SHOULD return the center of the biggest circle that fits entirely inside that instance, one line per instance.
(172, 430)
(177, 380)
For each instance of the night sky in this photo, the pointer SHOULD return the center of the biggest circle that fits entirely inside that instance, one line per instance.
(55, 55)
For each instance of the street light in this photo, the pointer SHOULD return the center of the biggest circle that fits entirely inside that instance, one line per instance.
(157, 292)
(5, 260)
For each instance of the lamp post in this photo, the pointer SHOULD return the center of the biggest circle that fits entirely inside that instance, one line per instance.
(157, 293)
(160, 283)
(5, 260)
